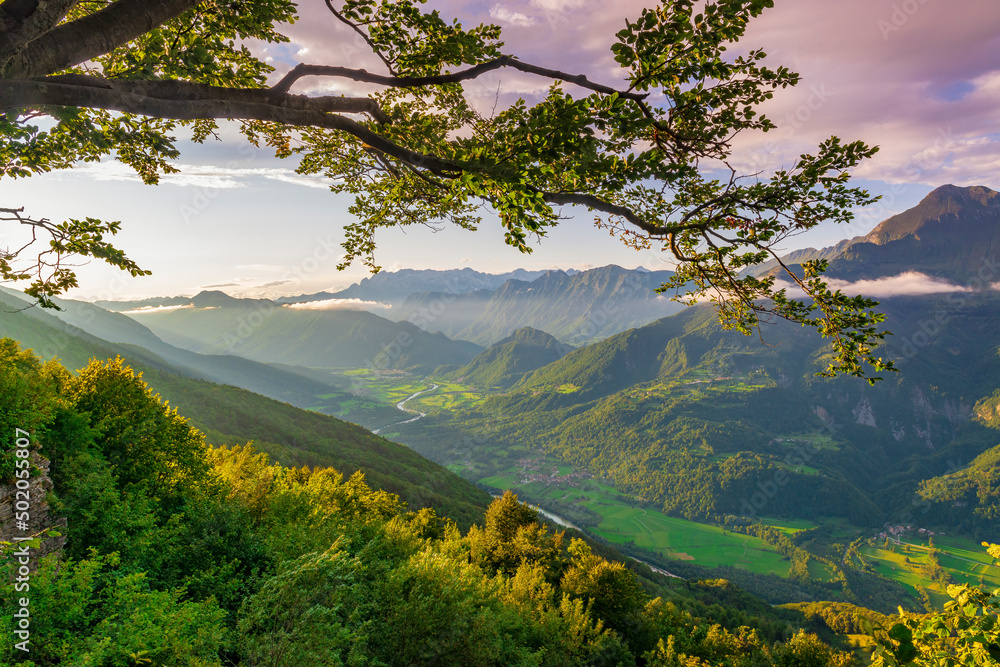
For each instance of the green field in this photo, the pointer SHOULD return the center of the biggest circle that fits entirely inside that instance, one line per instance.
(961, 561)
(787, 526)
(687, 540)
(397, 386)
(622, 521)
(385, 387)
(820, 571)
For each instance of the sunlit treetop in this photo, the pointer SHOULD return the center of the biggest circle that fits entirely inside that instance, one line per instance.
(648, 155)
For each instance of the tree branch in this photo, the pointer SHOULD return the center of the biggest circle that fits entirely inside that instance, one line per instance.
(361, 33)
(72, 43)
(22, 21)
(302, 70)
(178, 100)
(599, 204)
(666, 231)
(67, 86)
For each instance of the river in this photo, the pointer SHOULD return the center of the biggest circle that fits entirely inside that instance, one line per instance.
(558, 519)
(402, 403)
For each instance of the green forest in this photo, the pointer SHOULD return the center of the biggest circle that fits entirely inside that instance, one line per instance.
(177, 552)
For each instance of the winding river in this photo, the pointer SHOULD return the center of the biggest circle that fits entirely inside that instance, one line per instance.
(558, 519)
(402, 403)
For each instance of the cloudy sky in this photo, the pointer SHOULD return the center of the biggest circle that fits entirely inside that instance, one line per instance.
(919, 78)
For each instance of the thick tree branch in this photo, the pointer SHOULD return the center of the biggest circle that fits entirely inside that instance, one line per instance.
(74, 86)
(592, 201)
(303, 70)
(22, 21)
(72, 43)
(190, 102)
(599, 204)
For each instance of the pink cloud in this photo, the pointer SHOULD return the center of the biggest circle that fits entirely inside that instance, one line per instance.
(920, 78)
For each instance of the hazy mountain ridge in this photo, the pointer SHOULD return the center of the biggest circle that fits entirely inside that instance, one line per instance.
(577, 309)
(234, 416)
(134, 304)
(393, 287)
(265, 331)
(277, 383)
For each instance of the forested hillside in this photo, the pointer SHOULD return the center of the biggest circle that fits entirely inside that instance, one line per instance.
(262, 330)
(505, 362)
(178, 552)
(289, 435)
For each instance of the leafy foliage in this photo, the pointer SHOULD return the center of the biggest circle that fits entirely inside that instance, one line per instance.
(966, 632)
(642, 155)
(230, 559)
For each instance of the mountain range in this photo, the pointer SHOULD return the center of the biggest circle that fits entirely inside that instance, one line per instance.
(297, 334)
(577, 309)
(393, 287)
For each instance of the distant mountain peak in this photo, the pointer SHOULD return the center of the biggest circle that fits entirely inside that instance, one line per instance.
(977, 193)
(209, 298)
(953, 233)
(938, 212)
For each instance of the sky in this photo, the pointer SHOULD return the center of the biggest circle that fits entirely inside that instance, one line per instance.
(919, 78)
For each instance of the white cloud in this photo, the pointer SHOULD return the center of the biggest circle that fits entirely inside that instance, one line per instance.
(557, 5)
(506, 15)
(340, 304)
(208, 177)
(910, 283)
(155, 309)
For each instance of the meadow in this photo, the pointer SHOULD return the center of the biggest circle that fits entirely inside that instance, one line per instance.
(622, 520)
(398, 386)
(960, 560)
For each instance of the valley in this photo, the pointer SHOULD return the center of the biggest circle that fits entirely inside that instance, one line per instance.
(591, 500)
(543, 333)
(676, 443)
